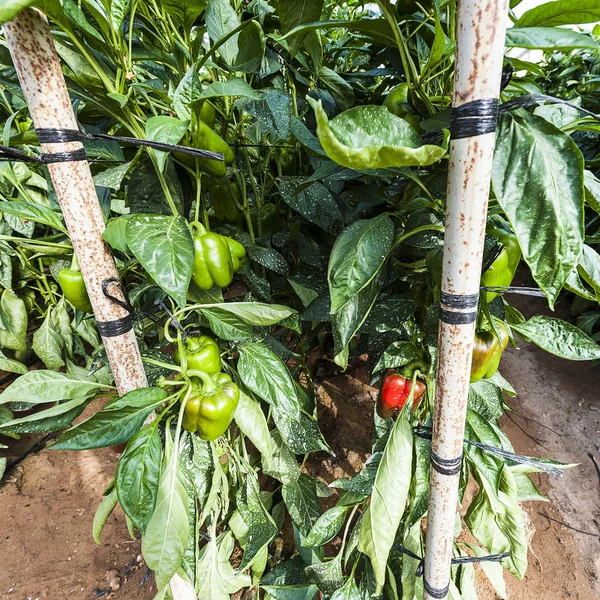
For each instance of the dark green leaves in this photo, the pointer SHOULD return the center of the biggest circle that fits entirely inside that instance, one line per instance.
(559, 338)
(115, 424)
(137, 475)
(561, 12)
(263, 372)
(355, 265)
(371, 137)
(165, 249)
(13, 322)
(538, 178)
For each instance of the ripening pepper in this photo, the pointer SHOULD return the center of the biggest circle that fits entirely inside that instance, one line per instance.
(213, 265)
(269, 221)
(73, 287)
(210, 409)
(201, 354)
(502, 271)
(487, 352)
(226, 199)
(394, 392)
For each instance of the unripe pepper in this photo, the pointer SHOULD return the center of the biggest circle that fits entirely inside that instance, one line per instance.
(207, 113)
(207, 139)
(210, 409)
(502, 271)
(487, 352)
(213, 265)
(73, 287)
(201, 354)
(397, 100)
(237, 251)
(394, 392)
(226, 199)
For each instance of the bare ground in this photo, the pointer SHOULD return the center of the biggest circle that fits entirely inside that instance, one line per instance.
(47, 505)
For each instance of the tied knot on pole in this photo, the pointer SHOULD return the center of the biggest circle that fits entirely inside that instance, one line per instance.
(124, 324)
(63, 136)
(459, 560)
(425, 433)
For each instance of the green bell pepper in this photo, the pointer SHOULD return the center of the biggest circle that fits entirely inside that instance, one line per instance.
(201, 354)
(502, 271)
(237, 251)
(213, 265)
(487, 352)
(73, 287)
(210, 409)
(207, 139)
(226, 199)
(207, 113)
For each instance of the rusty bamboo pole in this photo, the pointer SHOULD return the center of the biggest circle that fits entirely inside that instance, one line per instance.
(38, 67)
(481, 31)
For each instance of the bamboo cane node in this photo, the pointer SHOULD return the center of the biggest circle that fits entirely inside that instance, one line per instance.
(474, 118)
(446, 466)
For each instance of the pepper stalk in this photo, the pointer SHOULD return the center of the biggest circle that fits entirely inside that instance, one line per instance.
(481, 30)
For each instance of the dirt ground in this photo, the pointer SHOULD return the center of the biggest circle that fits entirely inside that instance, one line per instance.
(48, 502)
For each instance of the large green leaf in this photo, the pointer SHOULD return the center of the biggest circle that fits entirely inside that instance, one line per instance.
(371, 137)
(263, 372)
(548, 38)
(355, 266)
(538, 178)
(561, 12)
(221, 19)
(251, 420)
(293, 14)
(39, 387)
(137, 476)
(559, 338)
(34, 212)
(167, 532)
(383, 515)
(232, 87)
(302, 502)
(165, 248)
(186, 12)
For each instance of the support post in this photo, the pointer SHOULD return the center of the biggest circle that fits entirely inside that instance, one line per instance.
(38, 67)
(481, 31)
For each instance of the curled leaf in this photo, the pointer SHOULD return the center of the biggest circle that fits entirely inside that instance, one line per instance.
(371, 137)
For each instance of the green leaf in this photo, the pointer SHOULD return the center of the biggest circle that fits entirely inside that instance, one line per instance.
(561, 12)
(167, 130)
(486, 398)
(34, 212)
(186, 93)
(58, 417)
(272, 111)
(396, 355)
(39, 387)
(167, 532)
(228, 326)
(145, 193)
(263, 372)
(185, 12)
(252, 313)
(340, 89)
(315, 203)
(558, 337)
(137, 475)
(13, 322)
(371, 137)
(232, 87)
(355, 265)
(115, 233)
(221, 19)
(293, 14)
(269, 258)
(165, 248)
(326, 527)
(301, 436)
(108, 427)
(251, 420)
(48, 344)
(102, 513)
(548, 38)
(589, 267)
(282, 464)
(112, 178)
(261, 527)
(11, 366)
(327, 575)
(302, 502)
(349, 591)
(118, 9)
(392, 483)
(251, 48)
(532, 190)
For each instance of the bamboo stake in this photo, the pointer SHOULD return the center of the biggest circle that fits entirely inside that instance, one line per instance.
(38, 68)
(480, 44)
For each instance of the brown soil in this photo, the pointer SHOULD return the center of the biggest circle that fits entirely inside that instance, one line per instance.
(48, 504)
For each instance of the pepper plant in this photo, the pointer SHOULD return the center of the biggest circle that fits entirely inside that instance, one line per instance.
(319, 234)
